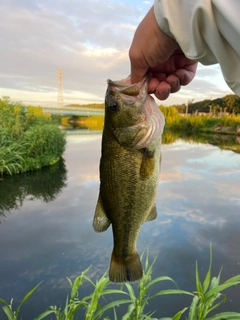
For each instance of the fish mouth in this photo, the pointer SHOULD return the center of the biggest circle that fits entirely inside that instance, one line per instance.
(125, 88)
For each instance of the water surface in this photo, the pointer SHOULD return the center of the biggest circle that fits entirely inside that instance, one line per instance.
(46, 225)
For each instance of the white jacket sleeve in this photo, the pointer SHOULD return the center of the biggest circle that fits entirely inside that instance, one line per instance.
(207, 31)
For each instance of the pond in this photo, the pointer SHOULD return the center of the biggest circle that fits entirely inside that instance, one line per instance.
(46, 225)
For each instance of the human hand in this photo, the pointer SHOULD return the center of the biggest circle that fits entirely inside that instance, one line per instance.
(155, 52)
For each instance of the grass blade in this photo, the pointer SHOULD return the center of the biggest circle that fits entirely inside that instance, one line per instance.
(131, 292)
(163, 278)
(44, 315)
(225, 316)
(3, 301)
(129, 313)
(215, 281)
(27, 296)
(208, 275)
(178, 315)
(216, 305)
(110, 291)
(110, 306)
(193, 309)
(170, 291)
(198, 283)
(233, 279)
(221, 287)
(8, 312)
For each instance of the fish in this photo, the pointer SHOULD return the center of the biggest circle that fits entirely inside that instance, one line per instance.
(129, 172)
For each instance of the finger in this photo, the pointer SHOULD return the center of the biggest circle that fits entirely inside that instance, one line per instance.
(152, 85)
(174, 83)
(187, 74)
(138, 66)
(155, 80)
(137, 74)
(163, 90)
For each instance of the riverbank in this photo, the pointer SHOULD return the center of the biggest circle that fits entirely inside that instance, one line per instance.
(226, 124)
(29, 139)
(175, 122)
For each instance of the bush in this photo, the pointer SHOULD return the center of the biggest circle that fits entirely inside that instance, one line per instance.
(28, 138)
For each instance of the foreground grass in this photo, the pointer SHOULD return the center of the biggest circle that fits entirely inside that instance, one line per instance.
(207, 298)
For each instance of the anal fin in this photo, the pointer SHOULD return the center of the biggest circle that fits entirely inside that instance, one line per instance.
(100, 220)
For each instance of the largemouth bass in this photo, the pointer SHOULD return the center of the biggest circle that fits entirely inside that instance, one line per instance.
(129, 172)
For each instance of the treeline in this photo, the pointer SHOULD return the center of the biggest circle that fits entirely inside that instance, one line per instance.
(29, 138)
(228, 104)
(224, 124)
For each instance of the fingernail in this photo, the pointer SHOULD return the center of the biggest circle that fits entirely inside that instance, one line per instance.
(174, 83)
(182, 79)
(164, 93)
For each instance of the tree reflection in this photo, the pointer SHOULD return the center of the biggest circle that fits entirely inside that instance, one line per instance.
(223, 141)
(44, 184)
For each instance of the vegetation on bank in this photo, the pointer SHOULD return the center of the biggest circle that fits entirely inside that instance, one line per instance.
(175, 122)
(229, 104)
(29, 138)
(204, 301)
(227, 124)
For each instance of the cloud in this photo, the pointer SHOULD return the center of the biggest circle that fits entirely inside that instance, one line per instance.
(86, 39)
(89, 40)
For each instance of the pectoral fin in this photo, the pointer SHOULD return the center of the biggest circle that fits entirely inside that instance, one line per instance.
(100, 220)
(148, 163)
(153, 214)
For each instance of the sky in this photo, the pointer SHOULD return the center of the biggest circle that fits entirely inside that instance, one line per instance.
(89, 40)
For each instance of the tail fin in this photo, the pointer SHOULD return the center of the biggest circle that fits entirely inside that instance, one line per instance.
(128, 270)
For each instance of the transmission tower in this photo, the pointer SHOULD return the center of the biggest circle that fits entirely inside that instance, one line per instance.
(60, 95)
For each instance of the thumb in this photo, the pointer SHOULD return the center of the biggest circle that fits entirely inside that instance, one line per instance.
(137, 74)
(138, 68)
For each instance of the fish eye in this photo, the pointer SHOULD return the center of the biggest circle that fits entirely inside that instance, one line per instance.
(114, 106)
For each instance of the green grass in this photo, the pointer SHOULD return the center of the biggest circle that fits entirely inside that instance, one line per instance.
(39, 146)
(29, 138)
(203, 123)
(205, 299)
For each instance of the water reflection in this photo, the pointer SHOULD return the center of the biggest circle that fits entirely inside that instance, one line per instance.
(224, 142)
(45, 184)
(197, 202)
